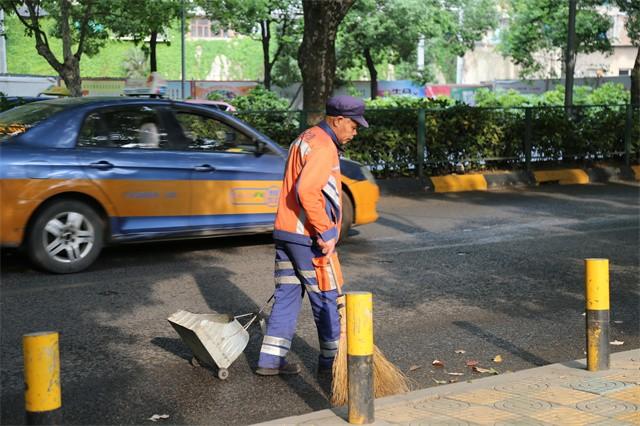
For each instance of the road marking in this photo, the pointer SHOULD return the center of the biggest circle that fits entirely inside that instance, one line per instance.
(491, 240)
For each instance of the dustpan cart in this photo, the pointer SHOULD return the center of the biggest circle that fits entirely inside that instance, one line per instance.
(216, 340)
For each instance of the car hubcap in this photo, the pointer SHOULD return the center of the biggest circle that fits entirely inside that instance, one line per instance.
(68, 237)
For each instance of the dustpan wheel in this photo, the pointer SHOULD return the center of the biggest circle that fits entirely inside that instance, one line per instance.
(223, 374)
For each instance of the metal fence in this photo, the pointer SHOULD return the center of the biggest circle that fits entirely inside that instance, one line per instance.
(431, 141)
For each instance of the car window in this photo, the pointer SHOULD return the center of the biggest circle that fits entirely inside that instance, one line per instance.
(20, 119)
(208, 134)
(136, 128)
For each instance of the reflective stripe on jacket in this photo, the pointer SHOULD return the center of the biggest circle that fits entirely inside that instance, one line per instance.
(310, 205)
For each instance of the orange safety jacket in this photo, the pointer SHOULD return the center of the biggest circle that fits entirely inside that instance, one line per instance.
(310, 205)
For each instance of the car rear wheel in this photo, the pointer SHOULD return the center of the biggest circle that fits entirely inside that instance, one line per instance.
(347, 216)
(66, 236)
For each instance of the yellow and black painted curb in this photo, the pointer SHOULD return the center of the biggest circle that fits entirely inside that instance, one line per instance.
(568, 176)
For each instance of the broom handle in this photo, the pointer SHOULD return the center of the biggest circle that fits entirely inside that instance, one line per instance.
(267, 303)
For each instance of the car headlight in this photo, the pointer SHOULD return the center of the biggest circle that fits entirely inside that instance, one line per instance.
(367, 174)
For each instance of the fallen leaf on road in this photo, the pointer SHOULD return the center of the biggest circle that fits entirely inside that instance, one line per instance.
(440, 382)
(497, 358)
(437, 363)
(455, 374)
(472, 363)
(461, 351)
(486, 370)
(616, 343)
(414, 367)
(157, 417)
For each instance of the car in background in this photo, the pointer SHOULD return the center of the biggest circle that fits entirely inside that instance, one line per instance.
(79, 173)
(8, 102)
(220, 105)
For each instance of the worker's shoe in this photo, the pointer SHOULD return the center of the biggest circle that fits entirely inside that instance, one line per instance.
(287, 369)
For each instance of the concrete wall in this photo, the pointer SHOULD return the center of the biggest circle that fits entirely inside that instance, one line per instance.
(484, 63)
(25, 86)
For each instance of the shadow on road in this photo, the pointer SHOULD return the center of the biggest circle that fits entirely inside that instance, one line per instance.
(223, 296)
(501, 343)
(121, 361)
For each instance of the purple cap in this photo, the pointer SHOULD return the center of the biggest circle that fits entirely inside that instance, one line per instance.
(347, 106)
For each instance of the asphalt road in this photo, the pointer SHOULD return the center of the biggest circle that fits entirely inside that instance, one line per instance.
(493, 273)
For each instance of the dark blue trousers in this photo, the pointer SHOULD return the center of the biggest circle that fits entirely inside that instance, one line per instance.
(295, 276)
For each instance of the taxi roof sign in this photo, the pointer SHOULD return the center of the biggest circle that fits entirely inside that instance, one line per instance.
(154, 85)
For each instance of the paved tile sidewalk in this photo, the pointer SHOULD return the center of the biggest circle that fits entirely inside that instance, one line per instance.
(557, 394)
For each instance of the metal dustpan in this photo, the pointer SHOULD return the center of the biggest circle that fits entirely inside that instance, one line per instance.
(216, 340)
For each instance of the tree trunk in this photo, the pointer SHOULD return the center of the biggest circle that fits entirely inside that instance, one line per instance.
(373, 73)
(71, 65)
(69, 68)
(570, 56)
(153, 43)
(317, 56)
(266, 39)
(635, 81)
(70, 73)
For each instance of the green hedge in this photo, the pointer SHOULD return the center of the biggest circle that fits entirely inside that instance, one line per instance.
(475, 137)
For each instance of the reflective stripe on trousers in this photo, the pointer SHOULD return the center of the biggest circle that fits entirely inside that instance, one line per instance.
(293, 268)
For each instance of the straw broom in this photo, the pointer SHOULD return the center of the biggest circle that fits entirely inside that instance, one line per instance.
(387, 378)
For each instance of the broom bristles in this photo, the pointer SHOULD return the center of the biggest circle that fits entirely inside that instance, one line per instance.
(387, 378)
(339, 382)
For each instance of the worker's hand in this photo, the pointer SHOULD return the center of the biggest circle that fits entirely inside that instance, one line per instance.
(328, 247)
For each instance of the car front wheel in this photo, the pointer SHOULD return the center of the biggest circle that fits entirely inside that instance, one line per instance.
(66, 236)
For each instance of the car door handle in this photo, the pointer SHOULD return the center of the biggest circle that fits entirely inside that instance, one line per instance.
(204, 168)
(101, 165)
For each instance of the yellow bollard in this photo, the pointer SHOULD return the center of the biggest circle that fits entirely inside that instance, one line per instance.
(360, 357)
(596, 279)
(43, 401)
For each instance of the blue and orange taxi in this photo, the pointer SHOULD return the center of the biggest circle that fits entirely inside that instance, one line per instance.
(79, 173)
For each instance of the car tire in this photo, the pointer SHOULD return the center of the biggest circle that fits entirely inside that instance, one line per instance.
(347, 216)
(65, 237)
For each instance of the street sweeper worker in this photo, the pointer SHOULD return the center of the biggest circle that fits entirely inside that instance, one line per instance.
(307, 228)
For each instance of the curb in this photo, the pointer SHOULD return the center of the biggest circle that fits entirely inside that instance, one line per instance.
(332, 416)
(497, 180)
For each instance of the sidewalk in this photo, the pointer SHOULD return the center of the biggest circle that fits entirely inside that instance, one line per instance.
(556, 394)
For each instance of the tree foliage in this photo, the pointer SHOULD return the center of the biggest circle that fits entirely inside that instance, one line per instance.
(539, 27)
(632, 9)
(149, 19)
(388, 31)
(276, 23)
(79, 24)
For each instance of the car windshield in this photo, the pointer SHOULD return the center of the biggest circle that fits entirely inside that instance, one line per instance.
(20, 119)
